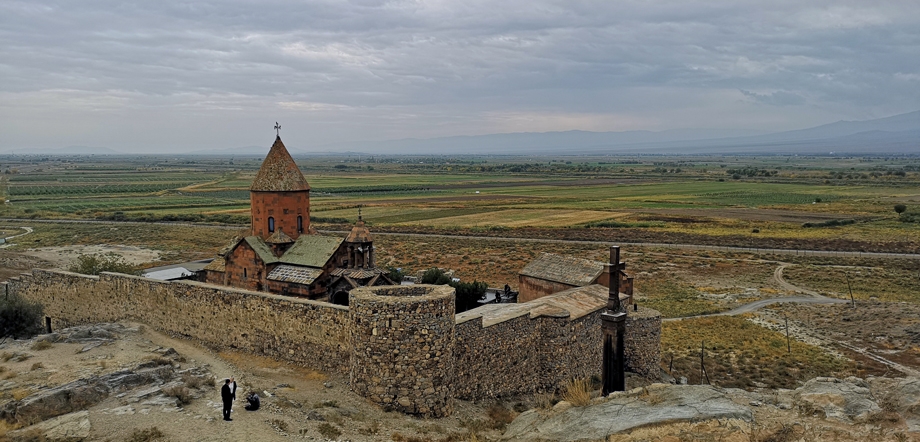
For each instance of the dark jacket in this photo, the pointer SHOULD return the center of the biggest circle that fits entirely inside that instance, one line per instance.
(226, 394)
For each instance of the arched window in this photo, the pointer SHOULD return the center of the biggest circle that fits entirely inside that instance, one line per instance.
(299, 224)
(271, 224)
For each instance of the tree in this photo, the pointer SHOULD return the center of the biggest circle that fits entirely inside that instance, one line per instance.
(395, 274)
(435, 276)
(466, 293)
(900, 208)
(98, 262)
(19, 318)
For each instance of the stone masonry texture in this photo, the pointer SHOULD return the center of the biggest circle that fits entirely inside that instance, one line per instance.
(402, 346)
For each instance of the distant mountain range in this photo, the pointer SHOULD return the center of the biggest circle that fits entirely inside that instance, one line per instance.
(897, 134)
(69, 150)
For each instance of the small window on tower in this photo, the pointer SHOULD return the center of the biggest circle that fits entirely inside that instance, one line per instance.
(271, 224)
(299, 224)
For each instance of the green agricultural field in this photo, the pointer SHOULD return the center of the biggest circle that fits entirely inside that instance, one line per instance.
(788, 202)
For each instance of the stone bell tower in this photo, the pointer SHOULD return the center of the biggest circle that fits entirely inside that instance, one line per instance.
(279, 196)
(360, 246)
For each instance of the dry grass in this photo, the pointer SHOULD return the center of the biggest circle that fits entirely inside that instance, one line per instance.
(146, 435)
(41, 345)
(329, 431)
(739, 353)
(181, 393)
(21, 393)
(192, 381)
(577, 392)
(33, 435)
(258, 363)
(6, 427)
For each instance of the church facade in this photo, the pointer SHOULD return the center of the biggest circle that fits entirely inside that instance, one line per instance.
(282, 253)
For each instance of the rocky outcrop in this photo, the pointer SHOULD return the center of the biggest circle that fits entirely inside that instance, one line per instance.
(901, 396)
(621, 412)
(67, 428)
(844, 400)
(82, 394)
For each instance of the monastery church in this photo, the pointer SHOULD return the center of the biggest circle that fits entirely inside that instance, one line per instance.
(283, 254)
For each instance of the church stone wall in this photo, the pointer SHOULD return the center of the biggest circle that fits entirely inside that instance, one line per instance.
(284, 208)
(296, 330)
(531, 288)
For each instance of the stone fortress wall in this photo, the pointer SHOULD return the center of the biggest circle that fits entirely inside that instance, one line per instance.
(409, 351)
(403, 347)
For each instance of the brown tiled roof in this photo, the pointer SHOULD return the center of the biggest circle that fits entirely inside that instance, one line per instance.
(565, 269)
(279, 172)
(279, 237)
(356, 273)
(295, 274)
(570, 304)
(359, 233)
(218, 265)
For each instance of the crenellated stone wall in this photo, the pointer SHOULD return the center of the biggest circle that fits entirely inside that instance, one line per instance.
(402, 346)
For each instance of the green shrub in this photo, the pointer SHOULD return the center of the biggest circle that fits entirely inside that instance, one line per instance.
(97, 263)
(20, 318)
(396, 275)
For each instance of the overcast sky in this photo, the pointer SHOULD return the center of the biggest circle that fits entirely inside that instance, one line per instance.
(169, 76)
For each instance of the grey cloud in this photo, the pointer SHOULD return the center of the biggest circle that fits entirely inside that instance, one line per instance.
(778, 98)
(376, 69)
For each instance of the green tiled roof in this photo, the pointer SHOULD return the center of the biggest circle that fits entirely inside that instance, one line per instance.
(311, 250)
(261, 249)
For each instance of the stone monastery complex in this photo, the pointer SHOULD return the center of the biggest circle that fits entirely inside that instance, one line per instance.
(288, 293)
(283, 254)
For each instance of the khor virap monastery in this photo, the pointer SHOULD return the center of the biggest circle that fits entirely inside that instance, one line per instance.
(283, 254)
(288, 293)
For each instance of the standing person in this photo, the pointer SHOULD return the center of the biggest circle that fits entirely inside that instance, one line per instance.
(226, 394)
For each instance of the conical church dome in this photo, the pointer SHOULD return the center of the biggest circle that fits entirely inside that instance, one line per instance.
(279, 172)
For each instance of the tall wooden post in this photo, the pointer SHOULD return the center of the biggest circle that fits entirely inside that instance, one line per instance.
(613, 323)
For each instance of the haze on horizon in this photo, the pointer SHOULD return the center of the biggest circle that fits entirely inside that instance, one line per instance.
(169, 77)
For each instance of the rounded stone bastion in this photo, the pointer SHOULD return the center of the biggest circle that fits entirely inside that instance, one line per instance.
(403, 343)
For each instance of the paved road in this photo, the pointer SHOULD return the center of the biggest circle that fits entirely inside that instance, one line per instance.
(538, 240)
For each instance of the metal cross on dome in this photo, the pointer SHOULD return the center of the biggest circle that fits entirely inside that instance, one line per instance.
(277, 129)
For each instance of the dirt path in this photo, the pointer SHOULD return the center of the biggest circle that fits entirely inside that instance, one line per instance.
(6, 244)
(812, 297)
(778, 278)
